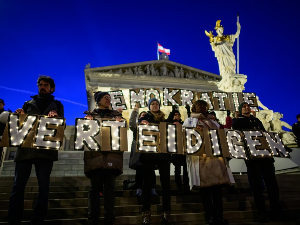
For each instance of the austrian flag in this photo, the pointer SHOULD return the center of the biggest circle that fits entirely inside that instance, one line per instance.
(163, 50)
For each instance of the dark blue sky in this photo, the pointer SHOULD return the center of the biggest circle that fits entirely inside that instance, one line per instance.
(59, 37)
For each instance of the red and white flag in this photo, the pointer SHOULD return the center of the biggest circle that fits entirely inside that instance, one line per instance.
(163, 50)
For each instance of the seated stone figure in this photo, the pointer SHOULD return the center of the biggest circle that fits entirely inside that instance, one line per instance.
(276, 126)
(265, 116)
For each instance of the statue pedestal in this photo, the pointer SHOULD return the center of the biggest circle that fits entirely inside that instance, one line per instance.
(233, 83)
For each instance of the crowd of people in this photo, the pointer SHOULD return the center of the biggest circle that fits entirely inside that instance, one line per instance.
(207, 174)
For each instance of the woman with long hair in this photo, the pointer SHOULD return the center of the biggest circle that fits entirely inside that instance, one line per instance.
(207, 173)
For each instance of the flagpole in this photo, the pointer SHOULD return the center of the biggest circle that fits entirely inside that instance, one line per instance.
(157, 50)
(238, 48)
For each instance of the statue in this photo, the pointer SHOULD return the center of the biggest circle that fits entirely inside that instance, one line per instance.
(265, 116)
(147, 70)
(152, 70)
(222, 46)
(87, 66)
(176, 72)
(163, 70)
(181, 73)
(276, 126)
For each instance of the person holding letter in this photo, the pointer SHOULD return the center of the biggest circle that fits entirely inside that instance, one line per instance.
(102, 168)
(134, 162)
(41, 104)
(213, 173)
(179, 160)
(149, 161)
(259, 167)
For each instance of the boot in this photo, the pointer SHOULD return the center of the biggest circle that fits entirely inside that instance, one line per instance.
(166, 218)
(146, 217)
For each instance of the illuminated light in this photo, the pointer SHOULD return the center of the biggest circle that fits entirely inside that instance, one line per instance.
(86, 137)
(191, 149)
(275, 144)
(18, 134)
(220, 96)
(237, 148)
(246, 96)
(187, 97)
(168, 96)
(252, 143)
(147, 138)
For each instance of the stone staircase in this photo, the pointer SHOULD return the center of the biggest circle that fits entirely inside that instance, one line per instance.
(68, 202)
(69, 195)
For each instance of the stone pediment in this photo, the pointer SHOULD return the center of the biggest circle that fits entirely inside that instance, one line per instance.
(157, 69)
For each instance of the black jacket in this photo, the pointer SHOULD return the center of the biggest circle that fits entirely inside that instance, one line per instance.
(31, 108)
(250, 123)
(153, 157)
(296, 131)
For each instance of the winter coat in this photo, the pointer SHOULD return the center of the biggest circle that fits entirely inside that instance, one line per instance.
(250, 123)
(205, 171)
(103, 160)
(31, 108)
(134, 155)
(153, 157)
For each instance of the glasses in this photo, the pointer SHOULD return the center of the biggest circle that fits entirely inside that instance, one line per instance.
(154, 104)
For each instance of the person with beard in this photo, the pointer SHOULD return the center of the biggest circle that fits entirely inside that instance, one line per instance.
(149, 162)
(259, 168)
(41, 104)
(102, 168)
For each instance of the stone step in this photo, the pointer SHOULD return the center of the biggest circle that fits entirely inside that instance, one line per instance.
(234, 217)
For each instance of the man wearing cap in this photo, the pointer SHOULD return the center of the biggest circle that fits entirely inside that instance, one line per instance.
(41, 104)
(259, 167)
(102, 168)
(296, 129)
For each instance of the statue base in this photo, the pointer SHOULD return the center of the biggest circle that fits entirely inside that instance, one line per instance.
(232, 82)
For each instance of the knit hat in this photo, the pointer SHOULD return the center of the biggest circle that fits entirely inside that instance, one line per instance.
(152, 100)
(241, 106)
(1, 101)
(298, 116)
(99, 95)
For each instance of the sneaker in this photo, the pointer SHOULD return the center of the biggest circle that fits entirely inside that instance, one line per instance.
(146, 217)
(153, 192)
(139, 192)
(166, 218)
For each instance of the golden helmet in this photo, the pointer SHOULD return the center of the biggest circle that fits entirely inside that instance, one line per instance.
(218, 25)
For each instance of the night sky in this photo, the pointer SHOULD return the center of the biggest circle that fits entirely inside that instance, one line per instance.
(59, 37)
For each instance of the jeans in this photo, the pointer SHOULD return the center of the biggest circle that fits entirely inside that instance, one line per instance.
(43, 168)
(100, 178)
(264, 168)
(164, 172)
